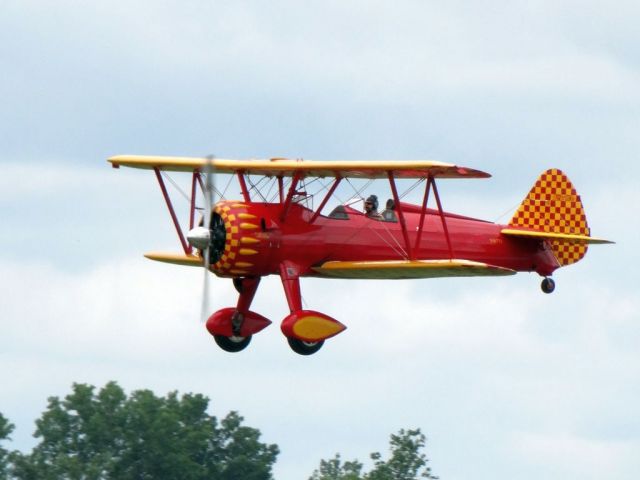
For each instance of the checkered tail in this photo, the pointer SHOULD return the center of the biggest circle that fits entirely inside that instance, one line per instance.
(554, 206)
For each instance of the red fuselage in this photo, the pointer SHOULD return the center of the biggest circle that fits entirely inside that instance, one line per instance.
(261, 236)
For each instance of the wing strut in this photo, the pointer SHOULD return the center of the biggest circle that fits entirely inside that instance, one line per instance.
(243, 186)
(281, 188)
(192, 206)
(185, 246)
(326, 198)
(403, 224)
(442, 217)
(425, 200)
(431, 183)
(289, 199)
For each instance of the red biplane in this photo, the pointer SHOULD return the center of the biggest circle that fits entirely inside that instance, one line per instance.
(280, 232)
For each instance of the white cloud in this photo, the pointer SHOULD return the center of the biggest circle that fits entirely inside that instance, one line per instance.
(497, 374)
(568, 455)
(486, 355)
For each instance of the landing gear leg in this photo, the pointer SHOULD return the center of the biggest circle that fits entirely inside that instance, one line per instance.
(548, 285)
(237, 284)
(290, 277)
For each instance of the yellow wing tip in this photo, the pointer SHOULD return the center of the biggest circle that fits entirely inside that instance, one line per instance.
(175, 258)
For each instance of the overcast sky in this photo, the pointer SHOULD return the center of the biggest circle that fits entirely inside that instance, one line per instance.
(505, 381)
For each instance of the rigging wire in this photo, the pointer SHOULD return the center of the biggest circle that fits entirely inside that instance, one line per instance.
(224, 192)
(254, 186)
(271, 183)
(399, 250)
(412, 187)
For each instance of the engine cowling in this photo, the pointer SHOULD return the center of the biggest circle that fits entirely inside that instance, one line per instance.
(238, 243)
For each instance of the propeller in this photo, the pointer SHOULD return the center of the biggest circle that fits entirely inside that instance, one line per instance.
(201, 237)
(208, 202)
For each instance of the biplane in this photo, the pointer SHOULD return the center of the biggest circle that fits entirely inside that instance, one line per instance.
(293, 233)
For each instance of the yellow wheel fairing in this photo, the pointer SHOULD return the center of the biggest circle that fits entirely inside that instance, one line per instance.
(310, 326)
(316, 328)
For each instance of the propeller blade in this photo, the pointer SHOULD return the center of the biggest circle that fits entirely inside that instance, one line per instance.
(208, 203)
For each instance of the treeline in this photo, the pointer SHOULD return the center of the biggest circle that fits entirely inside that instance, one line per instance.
(105, 434)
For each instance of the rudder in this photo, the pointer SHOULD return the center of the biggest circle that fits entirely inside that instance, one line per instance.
(554, 206)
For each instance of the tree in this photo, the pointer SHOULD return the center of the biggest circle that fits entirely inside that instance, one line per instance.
(334, 469)
(407, 462)
(5, 430)
(89, 436)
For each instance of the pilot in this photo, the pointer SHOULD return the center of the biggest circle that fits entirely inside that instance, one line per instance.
(371, 207)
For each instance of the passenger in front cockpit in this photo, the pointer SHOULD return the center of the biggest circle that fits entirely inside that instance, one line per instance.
(388, 214)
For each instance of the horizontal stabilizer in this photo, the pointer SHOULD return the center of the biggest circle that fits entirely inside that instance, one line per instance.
(405, 269)
(571, 238)
(175, 258)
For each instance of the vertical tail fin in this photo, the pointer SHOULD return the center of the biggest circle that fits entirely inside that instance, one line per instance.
(553, 206)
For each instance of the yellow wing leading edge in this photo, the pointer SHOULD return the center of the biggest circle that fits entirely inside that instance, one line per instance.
(310, 168)
(406, 269)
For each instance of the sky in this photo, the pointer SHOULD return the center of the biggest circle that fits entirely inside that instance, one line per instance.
(503, 380)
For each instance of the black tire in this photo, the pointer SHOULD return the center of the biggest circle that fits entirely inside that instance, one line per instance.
(304, 348)
(232, 344)
(548, 285)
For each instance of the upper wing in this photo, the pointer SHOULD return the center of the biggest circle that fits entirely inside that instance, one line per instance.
(307, 168)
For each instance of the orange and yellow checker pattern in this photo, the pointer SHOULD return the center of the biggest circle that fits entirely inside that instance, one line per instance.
(239, 226)
(554, 206)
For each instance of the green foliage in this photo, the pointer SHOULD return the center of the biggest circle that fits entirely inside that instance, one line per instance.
(89, 436)
(5, 430)
(407, 462)
(334, 469)
(109, 435)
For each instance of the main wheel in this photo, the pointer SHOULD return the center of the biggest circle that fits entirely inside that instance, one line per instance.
(548, 285)
(304, 348)
(232, 344)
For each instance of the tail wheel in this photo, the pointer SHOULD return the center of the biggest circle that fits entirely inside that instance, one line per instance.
(548, 285)
(232, 344)
(304, 348)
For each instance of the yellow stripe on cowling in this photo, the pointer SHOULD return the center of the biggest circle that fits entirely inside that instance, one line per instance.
(244, 264)
(246, 216)
(316, 328)
(249, 240)
(247, 251)
(249, 226)
(238, 205)
(238, 272)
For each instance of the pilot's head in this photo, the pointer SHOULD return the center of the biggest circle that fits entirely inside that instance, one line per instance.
(371, 204)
